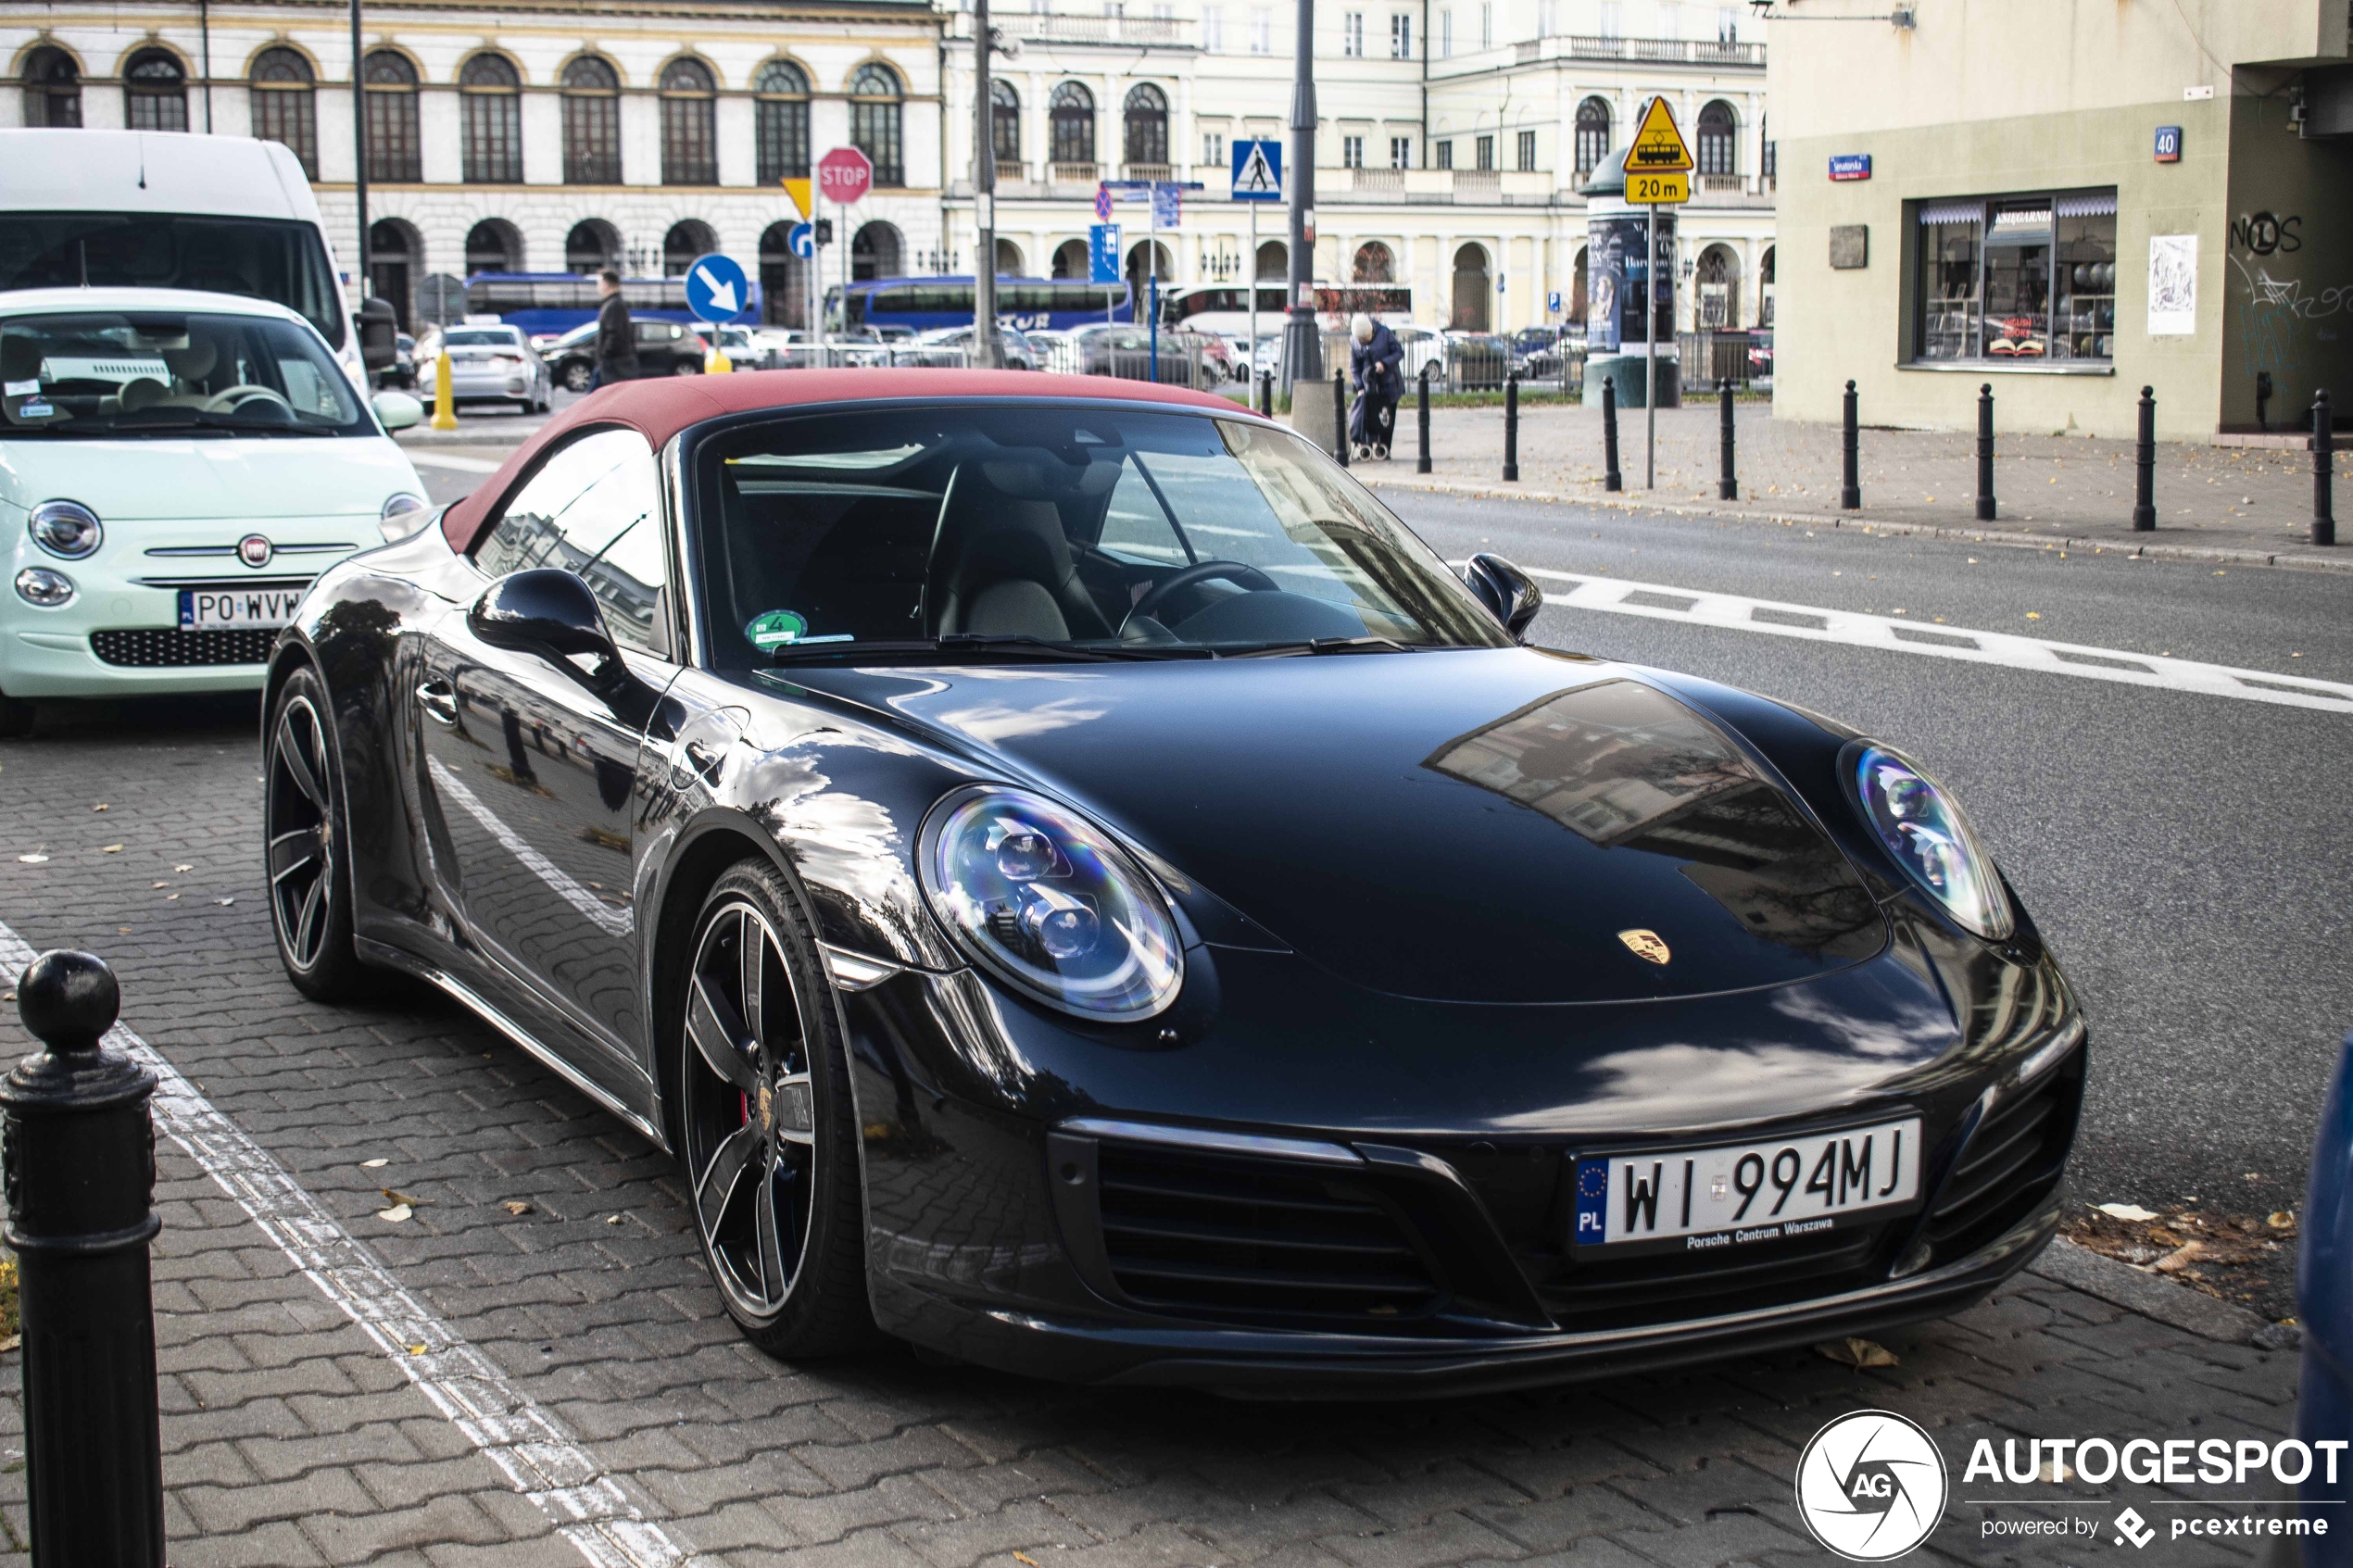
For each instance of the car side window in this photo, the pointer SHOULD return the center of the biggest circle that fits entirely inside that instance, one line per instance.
(594, 508)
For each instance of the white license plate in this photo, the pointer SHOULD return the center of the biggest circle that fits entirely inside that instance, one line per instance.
(209, 610)
(1740, 1194)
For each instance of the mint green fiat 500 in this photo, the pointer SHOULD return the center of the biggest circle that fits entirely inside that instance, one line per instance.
(175, 469)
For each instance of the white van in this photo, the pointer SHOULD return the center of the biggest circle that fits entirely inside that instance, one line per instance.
(176, 210)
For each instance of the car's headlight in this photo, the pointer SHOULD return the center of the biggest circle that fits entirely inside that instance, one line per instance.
(48, 590)
(1923, 827)
(404, 513)
(1047, 903)
(66, 529)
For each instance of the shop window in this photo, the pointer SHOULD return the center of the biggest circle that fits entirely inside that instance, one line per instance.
(2017, 280)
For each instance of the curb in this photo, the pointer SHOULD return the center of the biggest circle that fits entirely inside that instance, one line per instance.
(2198, 552)
(2121, 1284)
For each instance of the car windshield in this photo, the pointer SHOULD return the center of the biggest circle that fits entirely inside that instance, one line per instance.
(170, 374)
(484, 337)
(262, 258)
(1056, 531)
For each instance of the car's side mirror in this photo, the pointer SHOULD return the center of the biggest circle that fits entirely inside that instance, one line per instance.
(551, 613)
(378, 335)
(397, 410)
(1509, 593)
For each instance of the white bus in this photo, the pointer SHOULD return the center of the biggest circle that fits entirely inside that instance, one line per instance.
(177, 210)
(1224, 309)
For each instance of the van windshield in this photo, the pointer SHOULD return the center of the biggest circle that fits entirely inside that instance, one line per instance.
(170, 374)
(274, 259)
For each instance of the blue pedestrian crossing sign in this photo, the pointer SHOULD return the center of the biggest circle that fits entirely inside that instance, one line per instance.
(716, 288)
(1102, 253)
(1258, 170)
(803, 241)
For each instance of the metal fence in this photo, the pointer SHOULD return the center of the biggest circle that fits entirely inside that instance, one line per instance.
(1714, 359)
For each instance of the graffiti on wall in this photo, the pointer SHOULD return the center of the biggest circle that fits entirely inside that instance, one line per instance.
(2278, 317)
(2265, 233)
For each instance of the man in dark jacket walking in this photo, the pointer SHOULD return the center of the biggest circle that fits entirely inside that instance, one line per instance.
(616, 338)
(1376, 364)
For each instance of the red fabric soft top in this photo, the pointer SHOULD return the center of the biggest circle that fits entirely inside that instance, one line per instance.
(659, 409)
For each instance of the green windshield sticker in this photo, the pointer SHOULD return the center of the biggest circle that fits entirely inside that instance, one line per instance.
(776, 628)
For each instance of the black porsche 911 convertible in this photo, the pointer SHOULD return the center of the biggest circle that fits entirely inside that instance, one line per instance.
(1080, 887)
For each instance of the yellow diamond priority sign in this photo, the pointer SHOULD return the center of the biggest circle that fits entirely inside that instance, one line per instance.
(1658, 147)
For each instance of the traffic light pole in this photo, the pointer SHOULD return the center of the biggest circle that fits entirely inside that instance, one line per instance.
(1302, 344)
(988, 350)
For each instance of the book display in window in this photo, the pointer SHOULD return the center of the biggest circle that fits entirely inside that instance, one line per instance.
(2017, 280)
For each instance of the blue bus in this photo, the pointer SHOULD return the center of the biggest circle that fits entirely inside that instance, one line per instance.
(546, 305)
(921, 305)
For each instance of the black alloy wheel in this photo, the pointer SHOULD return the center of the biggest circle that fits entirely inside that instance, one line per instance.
(302, 806)
(577, 374)
(767, 1123)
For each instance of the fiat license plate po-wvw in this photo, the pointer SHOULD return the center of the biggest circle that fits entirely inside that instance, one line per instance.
(208, 610)
(1742, 1194)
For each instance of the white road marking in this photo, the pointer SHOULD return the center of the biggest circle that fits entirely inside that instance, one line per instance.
(612, 922)
(426, 457)
(1659, 601)
(539, 1458)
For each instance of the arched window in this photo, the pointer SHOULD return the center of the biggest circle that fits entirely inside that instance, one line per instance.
(391, 88)
(1008, 259)
(1719, 139)
(1717, 297)
(491, 93)
(1375, 263)
(593, 245)
(780, 121)
(1004, 126)
(1592, 135)
(874, 124)
(1071, 259)
(689, 137)
(592, 123)
(784, 278)
(493, 246)
(1070, 118)
(1274, 260)
(394, 254)
(874, 252)
(155, 89)
(1474, 285)
(1145, 121)
(284, 104)
(52, 90)
(685, 241)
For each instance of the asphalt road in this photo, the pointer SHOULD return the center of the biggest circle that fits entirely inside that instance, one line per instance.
(2184, 853)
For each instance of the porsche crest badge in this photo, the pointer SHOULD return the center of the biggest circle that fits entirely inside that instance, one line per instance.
(1645, 945)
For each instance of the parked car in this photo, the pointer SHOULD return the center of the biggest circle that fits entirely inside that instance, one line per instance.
(1475, 361)
(489, 363)
(402, 372)
(1760, 356)
(1512, 1017)
(744, 349)
(1019, 354)
(664, 348)
(1537, 353)
(157, 525)
(1105, 348)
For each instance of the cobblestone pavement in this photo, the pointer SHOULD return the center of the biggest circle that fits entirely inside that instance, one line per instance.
(292, 1436)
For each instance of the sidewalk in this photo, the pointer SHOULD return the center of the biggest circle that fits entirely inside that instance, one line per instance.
(2243, 505)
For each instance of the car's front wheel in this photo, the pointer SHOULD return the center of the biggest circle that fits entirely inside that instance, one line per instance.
(577, 374)
(768, 1132)
(308, 869)
(686, 367)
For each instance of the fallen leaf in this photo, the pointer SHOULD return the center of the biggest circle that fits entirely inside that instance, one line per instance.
(1024, 1557)
(102, 806)
(34, 859)
(2180, 1258)
(2054, 1471)
(2033, 615)
(184, 868)
(613, 1219)
(373, 1164)
(2281, 1219)
(111, 849)
(160, 884)
(1857, 1353)
(516, 1206)
(224, 902)
(7, 996)
(10, 1342)
(2125, 1211)
(396, 1213)
(169, 897)
(395, 1196)
(416, 1350)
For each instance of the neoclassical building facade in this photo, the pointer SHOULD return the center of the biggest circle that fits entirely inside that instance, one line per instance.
(540, 138)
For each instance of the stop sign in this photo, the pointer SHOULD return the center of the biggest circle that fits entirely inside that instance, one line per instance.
(844, 175)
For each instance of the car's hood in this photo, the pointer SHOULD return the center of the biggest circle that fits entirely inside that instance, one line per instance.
(208, 476)
(1494, 826)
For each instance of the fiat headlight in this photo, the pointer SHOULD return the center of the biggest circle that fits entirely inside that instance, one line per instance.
(1047, 903)
(66, 529)
(404, 513)
(1923, 827)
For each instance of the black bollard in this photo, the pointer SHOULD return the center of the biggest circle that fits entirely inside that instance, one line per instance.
(2323, 470)
(1266, 394)
(1511, 429)
(1611, 478)
(1339, 417)
(1985, 508)
(1421, 464)
(2144, 466)
(80, 1180)
(1850, 495)
(1727, 488)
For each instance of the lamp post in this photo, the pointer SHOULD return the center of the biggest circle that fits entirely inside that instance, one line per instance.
(359, 151)
(1302, 344)
(988, 350)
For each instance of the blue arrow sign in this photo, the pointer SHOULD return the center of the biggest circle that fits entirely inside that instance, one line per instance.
(716, 289)
(803, 241)
(1102, 253)
(1258, 170)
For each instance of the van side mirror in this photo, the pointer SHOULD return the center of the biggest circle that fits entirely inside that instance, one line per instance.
(551, 613)
(378, 335)
(1509, 593)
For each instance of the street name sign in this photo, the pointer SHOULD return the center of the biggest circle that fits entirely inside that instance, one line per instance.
(844, 175)
(716, 288)
(1658, 147)
(1258, 170)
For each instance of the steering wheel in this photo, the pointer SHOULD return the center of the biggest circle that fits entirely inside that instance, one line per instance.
(222, 401)
(1243, 572)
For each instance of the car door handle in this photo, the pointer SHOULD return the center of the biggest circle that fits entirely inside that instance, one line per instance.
(439, 699)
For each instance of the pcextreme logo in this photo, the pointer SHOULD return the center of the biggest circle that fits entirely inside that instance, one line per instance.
(1871, 1486)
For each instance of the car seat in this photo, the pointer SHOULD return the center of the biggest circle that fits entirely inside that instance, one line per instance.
(1002, 566)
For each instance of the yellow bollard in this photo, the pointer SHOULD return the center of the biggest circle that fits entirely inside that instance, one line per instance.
(716, 362)
(445, 394)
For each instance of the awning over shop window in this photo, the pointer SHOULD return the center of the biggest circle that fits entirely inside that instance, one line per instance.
(1953, 212)
(2085, 204)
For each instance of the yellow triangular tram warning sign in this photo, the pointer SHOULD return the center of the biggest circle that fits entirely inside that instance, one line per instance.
(1658, 147)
